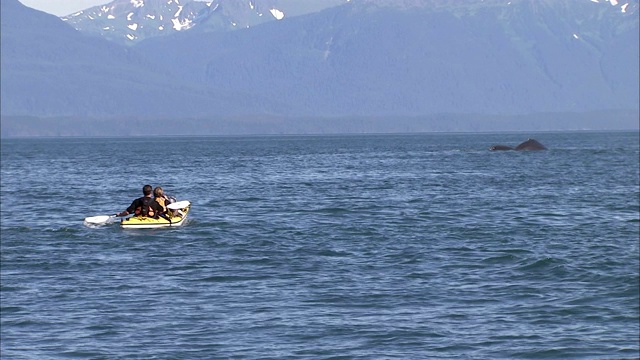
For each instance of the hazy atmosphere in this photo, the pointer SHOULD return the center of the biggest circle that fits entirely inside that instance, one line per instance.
(330, 66)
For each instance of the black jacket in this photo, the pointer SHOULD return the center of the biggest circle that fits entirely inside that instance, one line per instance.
(138, 203)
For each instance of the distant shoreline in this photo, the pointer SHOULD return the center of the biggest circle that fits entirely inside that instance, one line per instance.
(77, 126)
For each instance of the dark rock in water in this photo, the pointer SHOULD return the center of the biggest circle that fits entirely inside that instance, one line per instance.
(528, 145)
(500, 147)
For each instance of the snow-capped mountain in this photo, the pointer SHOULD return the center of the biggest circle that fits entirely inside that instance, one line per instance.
(130, 21)
(472, 61)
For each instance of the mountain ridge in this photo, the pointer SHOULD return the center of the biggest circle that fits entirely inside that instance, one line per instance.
(130, 21)
(360, 59)
(54, 70)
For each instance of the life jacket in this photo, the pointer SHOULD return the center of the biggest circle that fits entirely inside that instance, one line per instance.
(163, 202)
(146, 210)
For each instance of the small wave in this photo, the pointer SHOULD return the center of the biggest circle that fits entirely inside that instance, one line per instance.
(7, 310)
(517, 251)
(18, 229)
(330, 210)
(230, 278)
(199, 223)
(500, 259)
(21, 230)
(543, 265)
(334, 253)
(95, 226)
(64, 229)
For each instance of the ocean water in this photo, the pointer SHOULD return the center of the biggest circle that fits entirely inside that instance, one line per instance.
(423, 246)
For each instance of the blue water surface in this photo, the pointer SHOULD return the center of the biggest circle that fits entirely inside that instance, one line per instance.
(423, 246)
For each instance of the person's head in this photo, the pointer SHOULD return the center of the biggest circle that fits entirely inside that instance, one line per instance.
(157, 192)
(147, 190)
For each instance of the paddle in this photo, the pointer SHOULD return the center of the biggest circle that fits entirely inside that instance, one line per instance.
(99, 220)
(179, 205)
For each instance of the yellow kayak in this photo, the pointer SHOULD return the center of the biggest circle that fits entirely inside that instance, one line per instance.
(139, 222)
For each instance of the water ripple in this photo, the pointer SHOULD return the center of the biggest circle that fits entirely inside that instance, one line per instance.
(411, 247)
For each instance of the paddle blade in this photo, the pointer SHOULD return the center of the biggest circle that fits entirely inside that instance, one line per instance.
(98, 220)
(179, 205)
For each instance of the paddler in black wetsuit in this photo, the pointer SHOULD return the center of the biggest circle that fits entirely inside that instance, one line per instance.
(145, 206)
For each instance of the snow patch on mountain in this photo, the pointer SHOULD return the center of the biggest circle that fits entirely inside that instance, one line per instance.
(181, 25)
(623, 7)
(279, 15)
